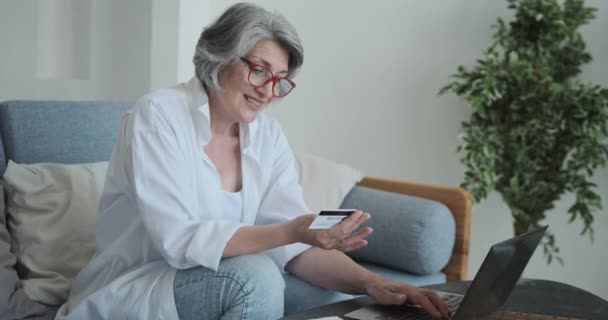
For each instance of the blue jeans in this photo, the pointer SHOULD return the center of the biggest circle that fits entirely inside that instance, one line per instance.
(244, 287)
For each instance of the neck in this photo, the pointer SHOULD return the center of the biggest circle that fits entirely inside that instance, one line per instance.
(220, 122)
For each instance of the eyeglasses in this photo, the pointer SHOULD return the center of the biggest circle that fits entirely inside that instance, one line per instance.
(260, 75)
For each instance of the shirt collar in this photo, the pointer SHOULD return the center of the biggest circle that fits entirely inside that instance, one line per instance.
(199, 104)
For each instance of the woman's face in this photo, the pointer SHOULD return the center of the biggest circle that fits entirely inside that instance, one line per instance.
(239, 99)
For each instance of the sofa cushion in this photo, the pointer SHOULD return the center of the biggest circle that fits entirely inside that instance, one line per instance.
(51, 212)
(425, 231)
(324, 183)
(409, 278)
(22, 307)
(8, 275)
(35, 131)
(14, 303)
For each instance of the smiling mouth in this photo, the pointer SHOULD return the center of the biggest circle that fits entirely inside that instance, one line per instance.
(255, 102)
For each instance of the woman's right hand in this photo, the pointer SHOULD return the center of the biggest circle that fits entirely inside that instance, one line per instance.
(339, 237)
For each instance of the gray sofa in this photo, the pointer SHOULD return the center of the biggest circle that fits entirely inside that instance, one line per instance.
(416, 240)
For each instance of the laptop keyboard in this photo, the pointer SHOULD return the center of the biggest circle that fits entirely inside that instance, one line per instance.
(405, 312)
(453, 301)
(416, 313)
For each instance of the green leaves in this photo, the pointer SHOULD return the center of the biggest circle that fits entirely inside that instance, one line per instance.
(535, 131)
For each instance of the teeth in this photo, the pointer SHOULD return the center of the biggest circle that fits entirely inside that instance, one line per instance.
(252, 100)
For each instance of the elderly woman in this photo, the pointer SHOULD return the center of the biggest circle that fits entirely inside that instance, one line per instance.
(202, 211)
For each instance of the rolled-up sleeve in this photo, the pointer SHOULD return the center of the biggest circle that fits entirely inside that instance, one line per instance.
(163, 187)
(283, 200)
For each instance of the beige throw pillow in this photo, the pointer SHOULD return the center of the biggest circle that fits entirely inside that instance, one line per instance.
(51, 212)
(325, 183)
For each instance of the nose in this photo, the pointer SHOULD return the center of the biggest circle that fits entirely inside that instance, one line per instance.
(265, 91)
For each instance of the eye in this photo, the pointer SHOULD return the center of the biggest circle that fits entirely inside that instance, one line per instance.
(258, 70)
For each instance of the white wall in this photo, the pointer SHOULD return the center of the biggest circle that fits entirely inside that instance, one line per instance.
(118, 45)
(128, 57)
(193, 16)
(21, 75)
(366, 95)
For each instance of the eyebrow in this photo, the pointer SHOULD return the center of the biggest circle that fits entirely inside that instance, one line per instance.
(267, 64)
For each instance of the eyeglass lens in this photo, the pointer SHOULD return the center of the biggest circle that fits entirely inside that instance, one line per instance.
(259, 76)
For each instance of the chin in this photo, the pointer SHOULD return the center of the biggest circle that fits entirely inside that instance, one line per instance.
(249, 118)
(250, 115)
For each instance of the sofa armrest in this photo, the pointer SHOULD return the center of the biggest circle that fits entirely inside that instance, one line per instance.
(456, 199)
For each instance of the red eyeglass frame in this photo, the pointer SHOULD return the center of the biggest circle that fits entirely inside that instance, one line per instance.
(273, 78)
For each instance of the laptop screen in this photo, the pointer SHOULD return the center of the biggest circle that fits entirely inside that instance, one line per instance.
(498, 274)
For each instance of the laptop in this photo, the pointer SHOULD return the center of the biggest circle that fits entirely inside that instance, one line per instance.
(496, 278)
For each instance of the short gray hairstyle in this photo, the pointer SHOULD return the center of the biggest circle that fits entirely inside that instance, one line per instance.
(236, 32)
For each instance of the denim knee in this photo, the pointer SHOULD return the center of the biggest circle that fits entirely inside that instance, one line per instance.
(243, 287)
(257, 273)
(262, 282)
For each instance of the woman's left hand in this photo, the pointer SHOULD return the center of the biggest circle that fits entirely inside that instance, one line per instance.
(339, 237)
(387, 292)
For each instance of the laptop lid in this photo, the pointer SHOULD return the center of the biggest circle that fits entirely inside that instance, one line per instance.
(498, 275)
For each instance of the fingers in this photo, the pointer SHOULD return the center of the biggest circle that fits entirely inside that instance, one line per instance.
(423, 301)
(340, 236)
(429, 300)
(355, 220)
(389, 293)
(345, 228)
(436, 300)
(356, 241)
(361, 234)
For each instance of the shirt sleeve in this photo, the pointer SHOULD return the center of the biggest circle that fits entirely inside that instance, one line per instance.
(283, 200)
(165, 193)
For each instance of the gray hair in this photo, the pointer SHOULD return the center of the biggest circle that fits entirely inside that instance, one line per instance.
(236, 32)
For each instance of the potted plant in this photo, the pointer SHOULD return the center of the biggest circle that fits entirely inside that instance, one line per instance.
(535, 131)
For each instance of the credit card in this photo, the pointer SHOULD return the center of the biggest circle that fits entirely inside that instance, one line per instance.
(329, 218)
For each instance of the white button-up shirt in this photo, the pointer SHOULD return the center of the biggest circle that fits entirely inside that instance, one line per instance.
(159, 211)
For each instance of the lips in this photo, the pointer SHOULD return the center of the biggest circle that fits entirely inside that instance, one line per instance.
(255, 103)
